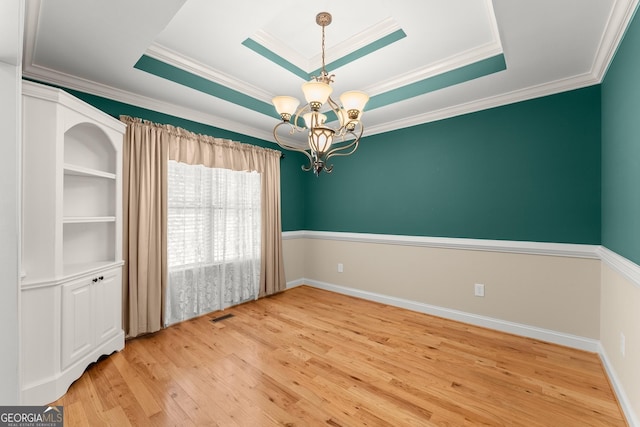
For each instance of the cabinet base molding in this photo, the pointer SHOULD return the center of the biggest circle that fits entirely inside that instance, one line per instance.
(52, 388)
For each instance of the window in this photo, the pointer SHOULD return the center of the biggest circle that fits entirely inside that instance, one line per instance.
(213, 215)
(213, 239)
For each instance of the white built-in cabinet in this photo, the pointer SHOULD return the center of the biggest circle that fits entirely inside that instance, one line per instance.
(71, 284)
(88, 318)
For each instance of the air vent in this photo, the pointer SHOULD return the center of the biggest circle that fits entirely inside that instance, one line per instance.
(224, 317)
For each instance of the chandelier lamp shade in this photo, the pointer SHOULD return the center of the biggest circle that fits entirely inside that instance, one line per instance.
(323, 141)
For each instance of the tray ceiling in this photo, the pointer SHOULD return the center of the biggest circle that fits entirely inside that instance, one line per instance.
(220, 63)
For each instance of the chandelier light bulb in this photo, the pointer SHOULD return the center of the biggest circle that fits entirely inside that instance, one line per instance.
(314, 119)
(316, 93)
(352, 101)
(285, 106)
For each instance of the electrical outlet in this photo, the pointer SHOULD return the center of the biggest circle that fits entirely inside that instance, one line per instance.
(340, 268)
(478, 290)
(622, 344)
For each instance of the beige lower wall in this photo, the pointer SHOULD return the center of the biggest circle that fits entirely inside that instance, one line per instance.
(293, 252)
(558, 293)
(620, 313)
(572, 295)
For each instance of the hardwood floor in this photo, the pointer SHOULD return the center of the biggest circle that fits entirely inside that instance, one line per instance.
(309, 357)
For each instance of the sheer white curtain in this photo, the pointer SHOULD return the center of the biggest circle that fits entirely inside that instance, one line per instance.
(213, 239)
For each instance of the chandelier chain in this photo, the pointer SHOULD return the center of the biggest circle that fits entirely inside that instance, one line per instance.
(324, 71)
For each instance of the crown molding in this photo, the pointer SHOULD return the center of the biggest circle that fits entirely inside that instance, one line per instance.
(621, 14)
(93, 88)
(274, 45)
(334, 53)
(525, 94)
(59, 96)
(48, 76)
(199, 69)
(493, 23)
(459, 60)
(31, 15)
(361, 40)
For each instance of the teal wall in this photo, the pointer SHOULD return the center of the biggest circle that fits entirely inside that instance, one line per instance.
(621, 148)
(526, 171)
(292, 182)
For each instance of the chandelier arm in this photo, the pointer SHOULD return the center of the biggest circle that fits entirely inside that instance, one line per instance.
(290, 147)
(335, 107)
(294, 122)
(338, 151)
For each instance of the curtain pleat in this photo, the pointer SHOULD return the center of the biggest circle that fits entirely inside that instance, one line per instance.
(147, 149)
(145, 157)
(272, 277)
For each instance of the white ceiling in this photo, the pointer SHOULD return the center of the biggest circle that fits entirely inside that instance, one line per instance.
(548, 46)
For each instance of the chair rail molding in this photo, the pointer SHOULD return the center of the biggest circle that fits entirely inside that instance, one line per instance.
(508, 246)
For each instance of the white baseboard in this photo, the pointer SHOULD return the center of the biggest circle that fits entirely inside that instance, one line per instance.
(547, 335)
(623, 399)
(294, 283)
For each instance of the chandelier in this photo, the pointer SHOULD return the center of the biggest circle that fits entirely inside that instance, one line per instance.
(324, 141)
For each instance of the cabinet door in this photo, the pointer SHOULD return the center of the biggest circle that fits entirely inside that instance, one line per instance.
(108, 302)
(78, 336)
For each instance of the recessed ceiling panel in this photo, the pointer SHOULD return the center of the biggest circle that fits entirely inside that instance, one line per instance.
(286, 40)
(419, 60)
(367, 41)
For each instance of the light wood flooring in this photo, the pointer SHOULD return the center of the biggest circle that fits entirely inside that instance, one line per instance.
(308, 357)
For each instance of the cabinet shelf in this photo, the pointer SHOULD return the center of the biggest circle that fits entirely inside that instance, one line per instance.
(70, 169)
(87, 219)
(71, 270)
